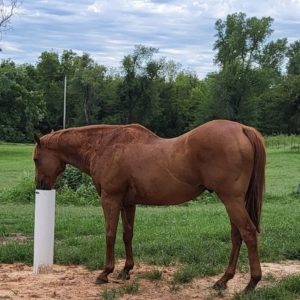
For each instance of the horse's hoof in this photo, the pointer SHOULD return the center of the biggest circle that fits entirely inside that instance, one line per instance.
(124, 275)
(220, 285)
(252, 284)
(249, 288)
(101, 280)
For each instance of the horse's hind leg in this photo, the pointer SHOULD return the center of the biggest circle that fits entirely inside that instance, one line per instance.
(236, 240)
(111, 208)
(128, 221)
(240, 218)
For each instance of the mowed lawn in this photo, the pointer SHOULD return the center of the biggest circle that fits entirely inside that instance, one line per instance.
(15, 162)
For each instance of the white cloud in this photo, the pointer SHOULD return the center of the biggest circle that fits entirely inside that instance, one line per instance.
(96, 7)
(11, 47)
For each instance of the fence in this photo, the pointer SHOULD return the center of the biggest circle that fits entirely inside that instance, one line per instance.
(285, 142)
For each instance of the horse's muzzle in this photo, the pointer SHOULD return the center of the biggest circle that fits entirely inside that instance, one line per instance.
(42, 185)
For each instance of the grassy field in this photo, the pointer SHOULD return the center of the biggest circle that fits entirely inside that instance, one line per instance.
(15, 161)
(162, 235)
(196, 235)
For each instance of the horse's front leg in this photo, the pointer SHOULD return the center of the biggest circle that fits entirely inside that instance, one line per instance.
(111, 207)
(127, 213)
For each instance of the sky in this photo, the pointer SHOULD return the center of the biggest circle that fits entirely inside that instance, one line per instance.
(183, 30)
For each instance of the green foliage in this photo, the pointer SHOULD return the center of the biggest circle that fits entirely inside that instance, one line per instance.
(293, 54)
(72, 178)
(84, 194)
(249, 66)
(23, 192)
(22, 106)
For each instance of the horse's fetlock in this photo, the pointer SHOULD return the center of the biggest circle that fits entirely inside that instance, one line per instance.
(256, 278)
(229, 275)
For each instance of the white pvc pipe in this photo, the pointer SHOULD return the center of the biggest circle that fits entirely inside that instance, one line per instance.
(44, 231)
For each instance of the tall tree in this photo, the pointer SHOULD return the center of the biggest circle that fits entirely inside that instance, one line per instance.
(21, 104)
(242, 50)
(87, 86)
(51, 83)
(293, 55)
(136, 91)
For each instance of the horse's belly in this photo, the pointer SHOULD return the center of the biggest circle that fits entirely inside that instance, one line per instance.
(164, 193)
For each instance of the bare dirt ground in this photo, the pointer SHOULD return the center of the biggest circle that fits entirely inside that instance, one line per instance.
(17, 281)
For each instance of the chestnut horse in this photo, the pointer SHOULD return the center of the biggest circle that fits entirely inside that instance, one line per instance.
(131, 165)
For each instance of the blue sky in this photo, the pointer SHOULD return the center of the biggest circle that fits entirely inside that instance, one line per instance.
(183, 30)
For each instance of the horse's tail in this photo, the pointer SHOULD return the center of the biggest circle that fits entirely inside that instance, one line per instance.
(255, 192)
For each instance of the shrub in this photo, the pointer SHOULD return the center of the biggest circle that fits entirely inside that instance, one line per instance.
(23, 192)
(72, 188)
(72, 178)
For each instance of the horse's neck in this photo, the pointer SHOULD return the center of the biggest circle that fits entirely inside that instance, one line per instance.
(73, 148)
(77, 147)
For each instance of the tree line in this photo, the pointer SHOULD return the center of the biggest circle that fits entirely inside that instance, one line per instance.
(257, 83)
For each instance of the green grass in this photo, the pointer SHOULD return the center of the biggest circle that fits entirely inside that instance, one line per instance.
(15, 161)
(197, 235)
(153, 275)
(287, 289)
(115, 293)
(282, 172)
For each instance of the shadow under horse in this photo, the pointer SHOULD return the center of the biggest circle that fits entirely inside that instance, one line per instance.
(131, 165)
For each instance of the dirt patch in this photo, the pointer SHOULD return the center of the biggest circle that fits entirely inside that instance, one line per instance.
(14, 237)
(75, 282)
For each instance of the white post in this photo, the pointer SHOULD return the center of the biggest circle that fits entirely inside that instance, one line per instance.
(65, 103)
(44, 231)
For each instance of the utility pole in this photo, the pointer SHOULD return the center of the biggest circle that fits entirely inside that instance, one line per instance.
(65, 103)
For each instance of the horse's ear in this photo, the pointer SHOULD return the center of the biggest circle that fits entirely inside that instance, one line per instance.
(37, 139)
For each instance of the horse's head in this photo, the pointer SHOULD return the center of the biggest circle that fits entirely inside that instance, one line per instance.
(48, 165)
